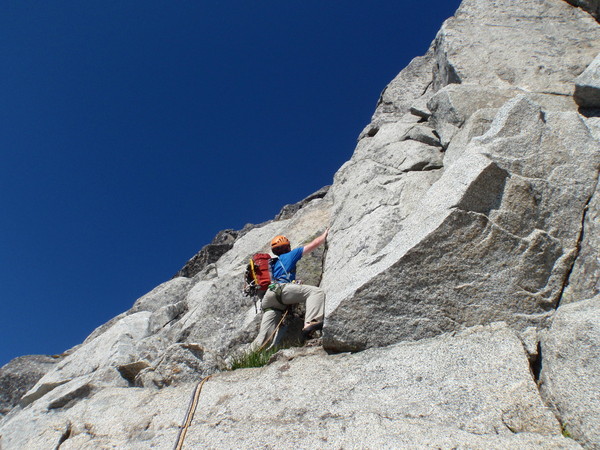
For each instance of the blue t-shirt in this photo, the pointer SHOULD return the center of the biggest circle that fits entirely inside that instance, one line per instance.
(284, 269)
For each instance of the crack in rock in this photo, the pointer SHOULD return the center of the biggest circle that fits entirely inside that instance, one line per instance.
(66, 435)
(577, 245)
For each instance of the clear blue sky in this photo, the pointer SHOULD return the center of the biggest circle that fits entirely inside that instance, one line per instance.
(131, 133)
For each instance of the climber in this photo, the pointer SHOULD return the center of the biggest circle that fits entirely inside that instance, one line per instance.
(286, 291)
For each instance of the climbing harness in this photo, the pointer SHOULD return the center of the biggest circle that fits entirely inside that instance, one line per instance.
(277, 289)
(190, 414)
(277, 285)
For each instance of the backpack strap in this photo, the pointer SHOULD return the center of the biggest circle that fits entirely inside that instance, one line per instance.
(288, 276)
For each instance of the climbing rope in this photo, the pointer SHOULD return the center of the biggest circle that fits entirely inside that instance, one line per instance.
(275, 331)
(189, 416)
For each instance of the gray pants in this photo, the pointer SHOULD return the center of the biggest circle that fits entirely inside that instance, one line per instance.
(291, 294)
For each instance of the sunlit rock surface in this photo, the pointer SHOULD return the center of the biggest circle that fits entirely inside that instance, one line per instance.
(462, 267)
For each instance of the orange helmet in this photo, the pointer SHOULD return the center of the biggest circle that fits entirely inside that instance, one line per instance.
(279, 243)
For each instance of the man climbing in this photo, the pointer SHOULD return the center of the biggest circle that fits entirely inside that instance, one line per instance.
(285, 291)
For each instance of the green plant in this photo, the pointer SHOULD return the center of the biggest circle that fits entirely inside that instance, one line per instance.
(254, 358)
(565, 432)
(260, 357)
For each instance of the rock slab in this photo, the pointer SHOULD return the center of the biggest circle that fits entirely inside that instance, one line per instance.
(471, 390)
(493, 239)
(570, 379)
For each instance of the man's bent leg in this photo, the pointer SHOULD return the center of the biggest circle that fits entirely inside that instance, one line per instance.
(312, 295)
(315, 305)
(269, 322)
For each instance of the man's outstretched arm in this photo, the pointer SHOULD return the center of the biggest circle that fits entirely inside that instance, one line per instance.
(317, 242)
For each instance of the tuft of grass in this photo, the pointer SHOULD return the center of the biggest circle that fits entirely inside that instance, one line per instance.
(565, 432)
(255, 358)
(259, 358)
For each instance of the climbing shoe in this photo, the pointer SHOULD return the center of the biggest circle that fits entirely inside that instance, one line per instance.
(313, 326)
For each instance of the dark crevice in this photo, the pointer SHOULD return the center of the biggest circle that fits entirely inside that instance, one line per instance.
(536, 367)
(536, 364)
(423, 166)
(426, 88)
(68, 400)
(66, 435)
(589, 112)
(380, 99)
(130, 371)
(561, 94)
(178, 316)
(567, 276)
(183, 335)
(325, 248)
(590, 8)
(373, 131)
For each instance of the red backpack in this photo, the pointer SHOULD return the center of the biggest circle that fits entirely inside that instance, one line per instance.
(258, 274)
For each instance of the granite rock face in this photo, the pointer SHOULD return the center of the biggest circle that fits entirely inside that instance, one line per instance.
(478, 46)
(184, 328)
(489, 229)
(571, 369)
(19, 375)
(464, 230)
(398, 97)
(493, 239)
(470, 390)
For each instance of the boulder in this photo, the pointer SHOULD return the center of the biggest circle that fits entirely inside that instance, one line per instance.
(587, 86)
(476, 125)
(570, 379)
(168, 293)
(166, 315)
(493, 239)
(179, 363)
(419, 108)
(424, 134)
